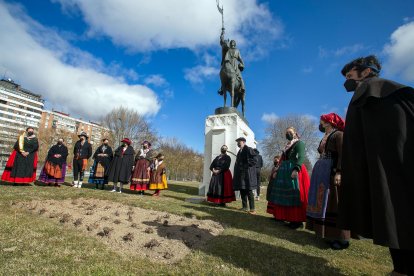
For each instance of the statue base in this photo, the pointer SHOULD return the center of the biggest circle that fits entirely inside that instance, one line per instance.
(230, 110)
(223, 128)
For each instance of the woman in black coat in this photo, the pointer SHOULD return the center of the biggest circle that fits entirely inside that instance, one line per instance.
(100, 169)
(221, 184)
(122, 164)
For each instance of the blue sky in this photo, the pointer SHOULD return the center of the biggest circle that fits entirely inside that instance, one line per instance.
(162, 57)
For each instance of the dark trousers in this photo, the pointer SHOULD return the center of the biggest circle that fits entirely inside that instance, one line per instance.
(77, 170)
(258, 183)
(247, 195)
(403, 261)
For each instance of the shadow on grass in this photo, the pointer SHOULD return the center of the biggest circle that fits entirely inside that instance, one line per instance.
(255, 256)
(259, 224)
(192, 236)
(3, 183)
(184, 189)
(265, 259)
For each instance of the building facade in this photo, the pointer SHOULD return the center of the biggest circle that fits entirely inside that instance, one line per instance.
(19, 108)
(63, 123)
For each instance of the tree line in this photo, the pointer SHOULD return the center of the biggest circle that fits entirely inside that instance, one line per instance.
(183, 162)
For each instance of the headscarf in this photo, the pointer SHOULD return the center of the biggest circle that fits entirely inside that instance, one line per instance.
(334, 120)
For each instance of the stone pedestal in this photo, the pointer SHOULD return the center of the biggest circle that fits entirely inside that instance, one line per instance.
(223, 128)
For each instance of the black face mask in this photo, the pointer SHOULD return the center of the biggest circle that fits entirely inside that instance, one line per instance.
(124, 145)
(350, 85)
(223, 151)
(60, 142)
(321, 128)
(289, 136)
(145, 147)
(30, 133)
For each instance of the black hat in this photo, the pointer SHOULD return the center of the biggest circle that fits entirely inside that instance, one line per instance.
(241, 139)
(84, 134)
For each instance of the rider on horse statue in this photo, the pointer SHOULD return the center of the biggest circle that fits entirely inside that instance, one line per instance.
(232, 55)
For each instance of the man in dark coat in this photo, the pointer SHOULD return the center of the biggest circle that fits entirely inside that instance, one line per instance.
(377, 162)
(245, 176)
(122, 164)
(82, 151)
(259, 166)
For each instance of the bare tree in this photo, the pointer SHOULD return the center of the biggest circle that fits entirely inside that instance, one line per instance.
(183, 163)
(275, 139)
(48, 137)
(123, 122)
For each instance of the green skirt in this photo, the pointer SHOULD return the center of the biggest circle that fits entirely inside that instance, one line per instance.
(285, 189)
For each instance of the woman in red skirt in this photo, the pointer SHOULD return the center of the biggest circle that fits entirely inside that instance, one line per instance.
(144, 162)
(22, 163)
(221, 190)
(288, 198)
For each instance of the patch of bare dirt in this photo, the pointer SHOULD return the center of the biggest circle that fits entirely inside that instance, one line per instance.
(159, 236)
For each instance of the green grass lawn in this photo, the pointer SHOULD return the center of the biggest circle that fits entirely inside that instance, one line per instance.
(33, 245)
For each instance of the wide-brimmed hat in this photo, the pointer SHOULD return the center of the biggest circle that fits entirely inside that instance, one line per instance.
(84, 134)
(127, 141)
(241, 139)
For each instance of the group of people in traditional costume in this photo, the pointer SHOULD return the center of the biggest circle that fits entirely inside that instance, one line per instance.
(362, 183)
(360, 186)
(223, 186)
(144, 171)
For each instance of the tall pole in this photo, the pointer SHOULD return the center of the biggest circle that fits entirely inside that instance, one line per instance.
(221, 10)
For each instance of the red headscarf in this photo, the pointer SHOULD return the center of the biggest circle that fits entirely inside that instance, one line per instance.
(335, 120)
(127, 141)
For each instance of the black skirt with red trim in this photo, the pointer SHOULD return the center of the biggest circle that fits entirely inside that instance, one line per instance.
(20, 169)
(221, 188)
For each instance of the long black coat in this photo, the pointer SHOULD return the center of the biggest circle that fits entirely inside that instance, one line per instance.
(121, 166)
(377, 189)
(105, 161)
(57, 149)
(24, 166)
(245, 175)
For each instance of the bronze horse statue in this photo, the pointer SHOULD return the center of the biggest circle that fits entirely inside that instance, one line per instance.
(231, 83)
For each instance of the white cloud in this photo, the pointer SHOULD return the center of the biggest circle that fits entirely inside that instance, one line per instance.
(400, 58)
(307, 69)
(145, 26)
(310, 117)
(208, 69)
(156, 80)
(46, 64)
(197, 74)
(348, 50)
(269, 117)
(168, 94)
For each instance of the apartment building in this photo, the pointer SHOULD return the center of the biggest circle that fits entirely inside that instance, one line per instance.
(63, 123)
(19, 108)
